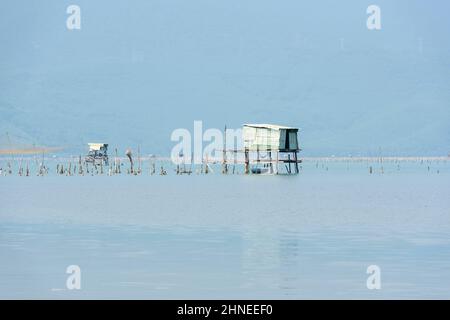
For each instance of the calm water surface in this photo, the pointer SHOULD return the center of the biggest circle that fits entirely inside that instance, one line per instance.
(215, 236)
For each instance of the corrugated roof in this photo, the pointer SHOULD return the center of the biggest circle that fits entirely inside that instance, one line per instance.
(268, 126)
(96, 146)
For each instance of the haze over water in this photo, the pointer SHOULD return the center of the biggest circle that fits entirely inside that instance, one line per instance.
(135, 72)
(215, 236)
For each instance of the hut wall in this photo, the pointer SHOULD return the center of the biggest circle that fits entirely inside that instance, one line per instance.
(261, 138)
(264, 138)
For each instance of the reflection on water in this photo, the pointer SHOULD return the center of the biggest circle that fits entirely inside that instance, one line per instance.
(134, 262)
(311, 236)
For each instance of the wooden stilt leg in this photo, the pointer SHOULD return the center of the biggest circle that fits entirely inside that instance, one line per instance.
(247, 162)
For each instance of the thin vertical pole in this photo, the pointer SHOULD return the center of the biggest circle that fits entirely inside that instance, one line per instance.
(139, 159)
(247, 161)
(276, 164)
(289, 162)
(224, 153)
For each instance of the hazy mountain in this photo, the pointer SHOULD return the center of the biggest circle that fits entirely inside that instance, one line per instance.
(137, 70)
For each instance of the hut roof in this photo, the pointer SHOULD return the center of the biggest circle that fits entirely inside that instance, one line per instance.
(268, 126)
(97, 146)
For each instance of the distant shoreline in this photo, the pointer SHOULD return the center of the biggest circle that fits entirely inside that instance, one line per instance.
(219, 159)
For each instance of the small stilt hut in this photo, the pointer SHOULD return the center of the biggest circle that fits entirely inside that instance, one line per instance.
(267, 146)
(98, 153)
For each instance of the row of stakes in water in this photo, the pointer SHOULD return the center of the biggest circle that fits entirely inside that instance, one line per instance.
(85, 168)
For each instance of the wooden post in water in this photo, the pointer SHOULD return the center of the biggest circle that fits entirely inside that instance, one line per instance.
(296, 162)
(80, 166)
(276, 163)
(139, 160)
(20, 167)
(247, 161)
(128, 154)
(116, 168)
(289, 163)
(270, 163)
(224, 152)
(234, 161)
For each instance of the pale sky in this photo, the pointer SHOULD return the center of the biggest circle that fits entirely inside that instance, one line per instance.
(137, 70)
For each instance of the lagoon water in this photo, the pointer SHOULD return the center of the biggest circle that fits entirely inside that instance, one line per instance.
(215, 236)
